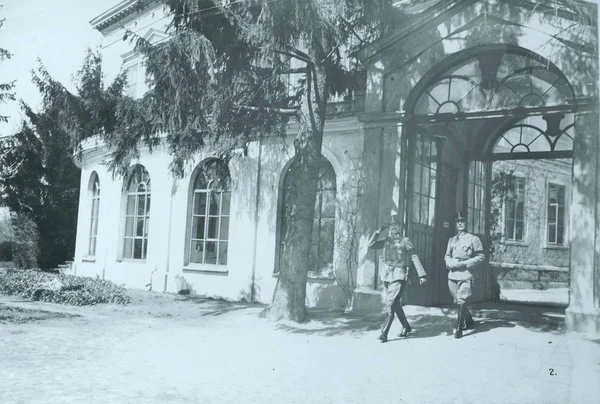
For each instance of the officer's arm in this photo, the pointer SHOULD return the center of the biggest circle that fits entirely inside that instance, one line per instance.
(479, 256)
(450, 262)
(410, 249)
(374, 243)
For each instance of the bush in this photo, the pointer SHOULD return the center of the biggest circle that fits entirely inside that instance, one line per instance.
(64, 289)
(6, 251)
(26, 241)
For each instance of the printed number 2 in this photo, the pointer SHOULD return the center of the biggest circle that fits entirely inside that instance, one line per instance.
(552, 372)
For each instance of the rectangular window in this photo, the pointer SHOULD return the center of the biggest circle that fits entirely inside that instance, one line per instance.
(556, 214)
(94, 226)
(132, 80)
(514, 211)
(424, 182)
(137, 217)
(476, 197)
(210, 227)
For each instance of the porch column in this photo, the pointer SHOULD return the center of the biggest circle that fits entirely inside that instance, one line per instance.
(366, 297)
(382, 185)
(583, 313)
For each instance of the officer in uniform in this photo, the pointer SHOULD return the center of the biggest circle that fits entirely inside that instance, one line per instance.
(397, 251)
(464, 253)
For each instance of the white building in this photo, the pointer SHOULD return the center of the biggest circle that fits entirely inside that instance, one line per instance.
(446, 95)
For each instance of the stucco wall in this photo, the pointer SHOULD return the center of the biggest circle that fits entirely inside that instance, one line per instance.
(252, 233)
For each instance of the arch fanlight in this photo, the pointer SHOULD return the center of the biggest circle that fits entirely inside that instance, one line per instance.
(528, 141)
(494, 80)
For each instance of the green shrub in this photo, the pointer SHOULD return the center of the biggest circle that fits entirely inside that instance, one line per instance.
(6, 251)
(26, 241)
(64, 289)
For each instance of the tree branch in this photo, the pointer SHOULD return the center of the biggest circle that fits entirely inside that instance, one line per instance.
(282, 111)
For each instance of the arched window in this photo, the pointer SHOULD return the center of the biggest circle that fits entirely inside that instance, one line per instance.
(209, 224)
(95, 193)
(137, 215)
(322, 245)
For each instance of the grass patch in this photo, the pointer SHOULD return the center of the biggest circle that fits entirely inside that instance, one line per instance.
(63, 289)
(16, 315)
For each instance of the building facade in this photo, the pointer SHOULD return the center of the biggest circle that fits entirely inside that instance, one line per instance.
(462, 85)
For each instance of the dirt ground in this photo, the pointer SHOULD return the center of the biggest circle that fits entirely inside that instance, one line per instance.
(173, 349)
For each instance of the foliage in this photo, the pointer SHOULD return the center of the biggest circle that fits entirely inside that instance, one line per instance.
(5, 87)
(502, 190)
(6, 248)
(26, 249)
(63, 289)
(17, 315)
(39, 176)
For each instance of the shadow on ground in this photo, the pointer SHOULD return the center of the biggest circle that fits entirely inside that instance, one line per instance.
(434, 321)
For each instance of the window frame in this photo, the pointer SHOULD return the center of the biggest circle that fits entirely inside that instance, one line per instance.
(318, 273)
(94, 216)
(523, 239)
(195, 195)
(143, 178)
(555, 244)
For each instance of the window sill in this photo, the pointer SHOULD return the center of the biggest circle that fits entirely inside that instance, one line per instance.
(515, 243)
(312, 276)
(88, 259)
(131, 261)
(556, 247)
(207, 268)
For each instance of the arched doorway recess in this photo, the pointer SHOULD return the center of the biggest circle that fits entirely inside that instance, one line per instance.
(481, 105)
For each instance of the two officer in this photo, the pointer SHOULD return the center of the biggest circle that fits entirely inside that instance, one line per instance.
(463, 254)
(397, 251)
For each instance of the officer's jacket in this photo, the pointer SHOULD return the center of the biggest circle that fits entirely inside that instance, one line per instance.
(396, 256)
(467, 250)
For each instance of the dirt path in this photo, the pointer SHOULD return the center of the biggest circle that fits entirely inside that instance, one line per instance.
(166, 349)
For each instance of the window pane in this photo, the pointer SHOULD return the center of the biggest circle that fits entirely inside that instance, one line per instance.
(130, 204)
(510, 232)
(519, 213)
(327, 242)
(196, 250)
(552, 214)
(198, 227)
(424, 210)
(137, 248)
(223, 253)
(519, 231)
(215, 198)
(552, 233)
(92, 250)
(139, 229)
(417, 178)
(199, 203)
(224, 235)
(212, 227)
(416, 208)
(327, 175)
(128, 248)
(141, 205)
(129, 227)
(94, 227)
(145, 251)
(147, 204)
(211, 253)
(226, 203)
(425, 181)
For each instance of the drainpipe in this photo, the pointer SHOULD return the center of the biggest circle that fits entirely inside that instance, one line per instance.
(169, 236)
(256, 205)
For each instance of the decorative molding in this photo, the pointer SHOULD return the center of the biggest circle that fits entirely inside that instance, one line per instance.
(120, 12)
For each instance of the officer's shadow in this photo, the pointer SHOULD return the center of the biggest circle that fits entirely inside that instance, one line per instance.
(427, 326)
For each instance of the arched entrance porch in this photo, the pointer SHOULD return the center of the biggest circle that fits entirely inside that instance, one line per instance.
(481, 105)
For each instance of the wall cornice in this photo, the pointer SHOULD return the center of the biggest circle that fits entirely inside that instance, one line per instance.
(119, 12)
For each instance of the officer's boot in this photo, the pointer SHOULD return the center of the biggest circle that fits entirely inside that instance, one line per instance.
(406, 328)
(469, 322)
(459, 322)
(387, 324)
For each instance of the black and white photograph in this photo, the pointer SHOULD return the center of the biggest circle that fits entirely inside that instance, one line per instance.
(299, 201)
